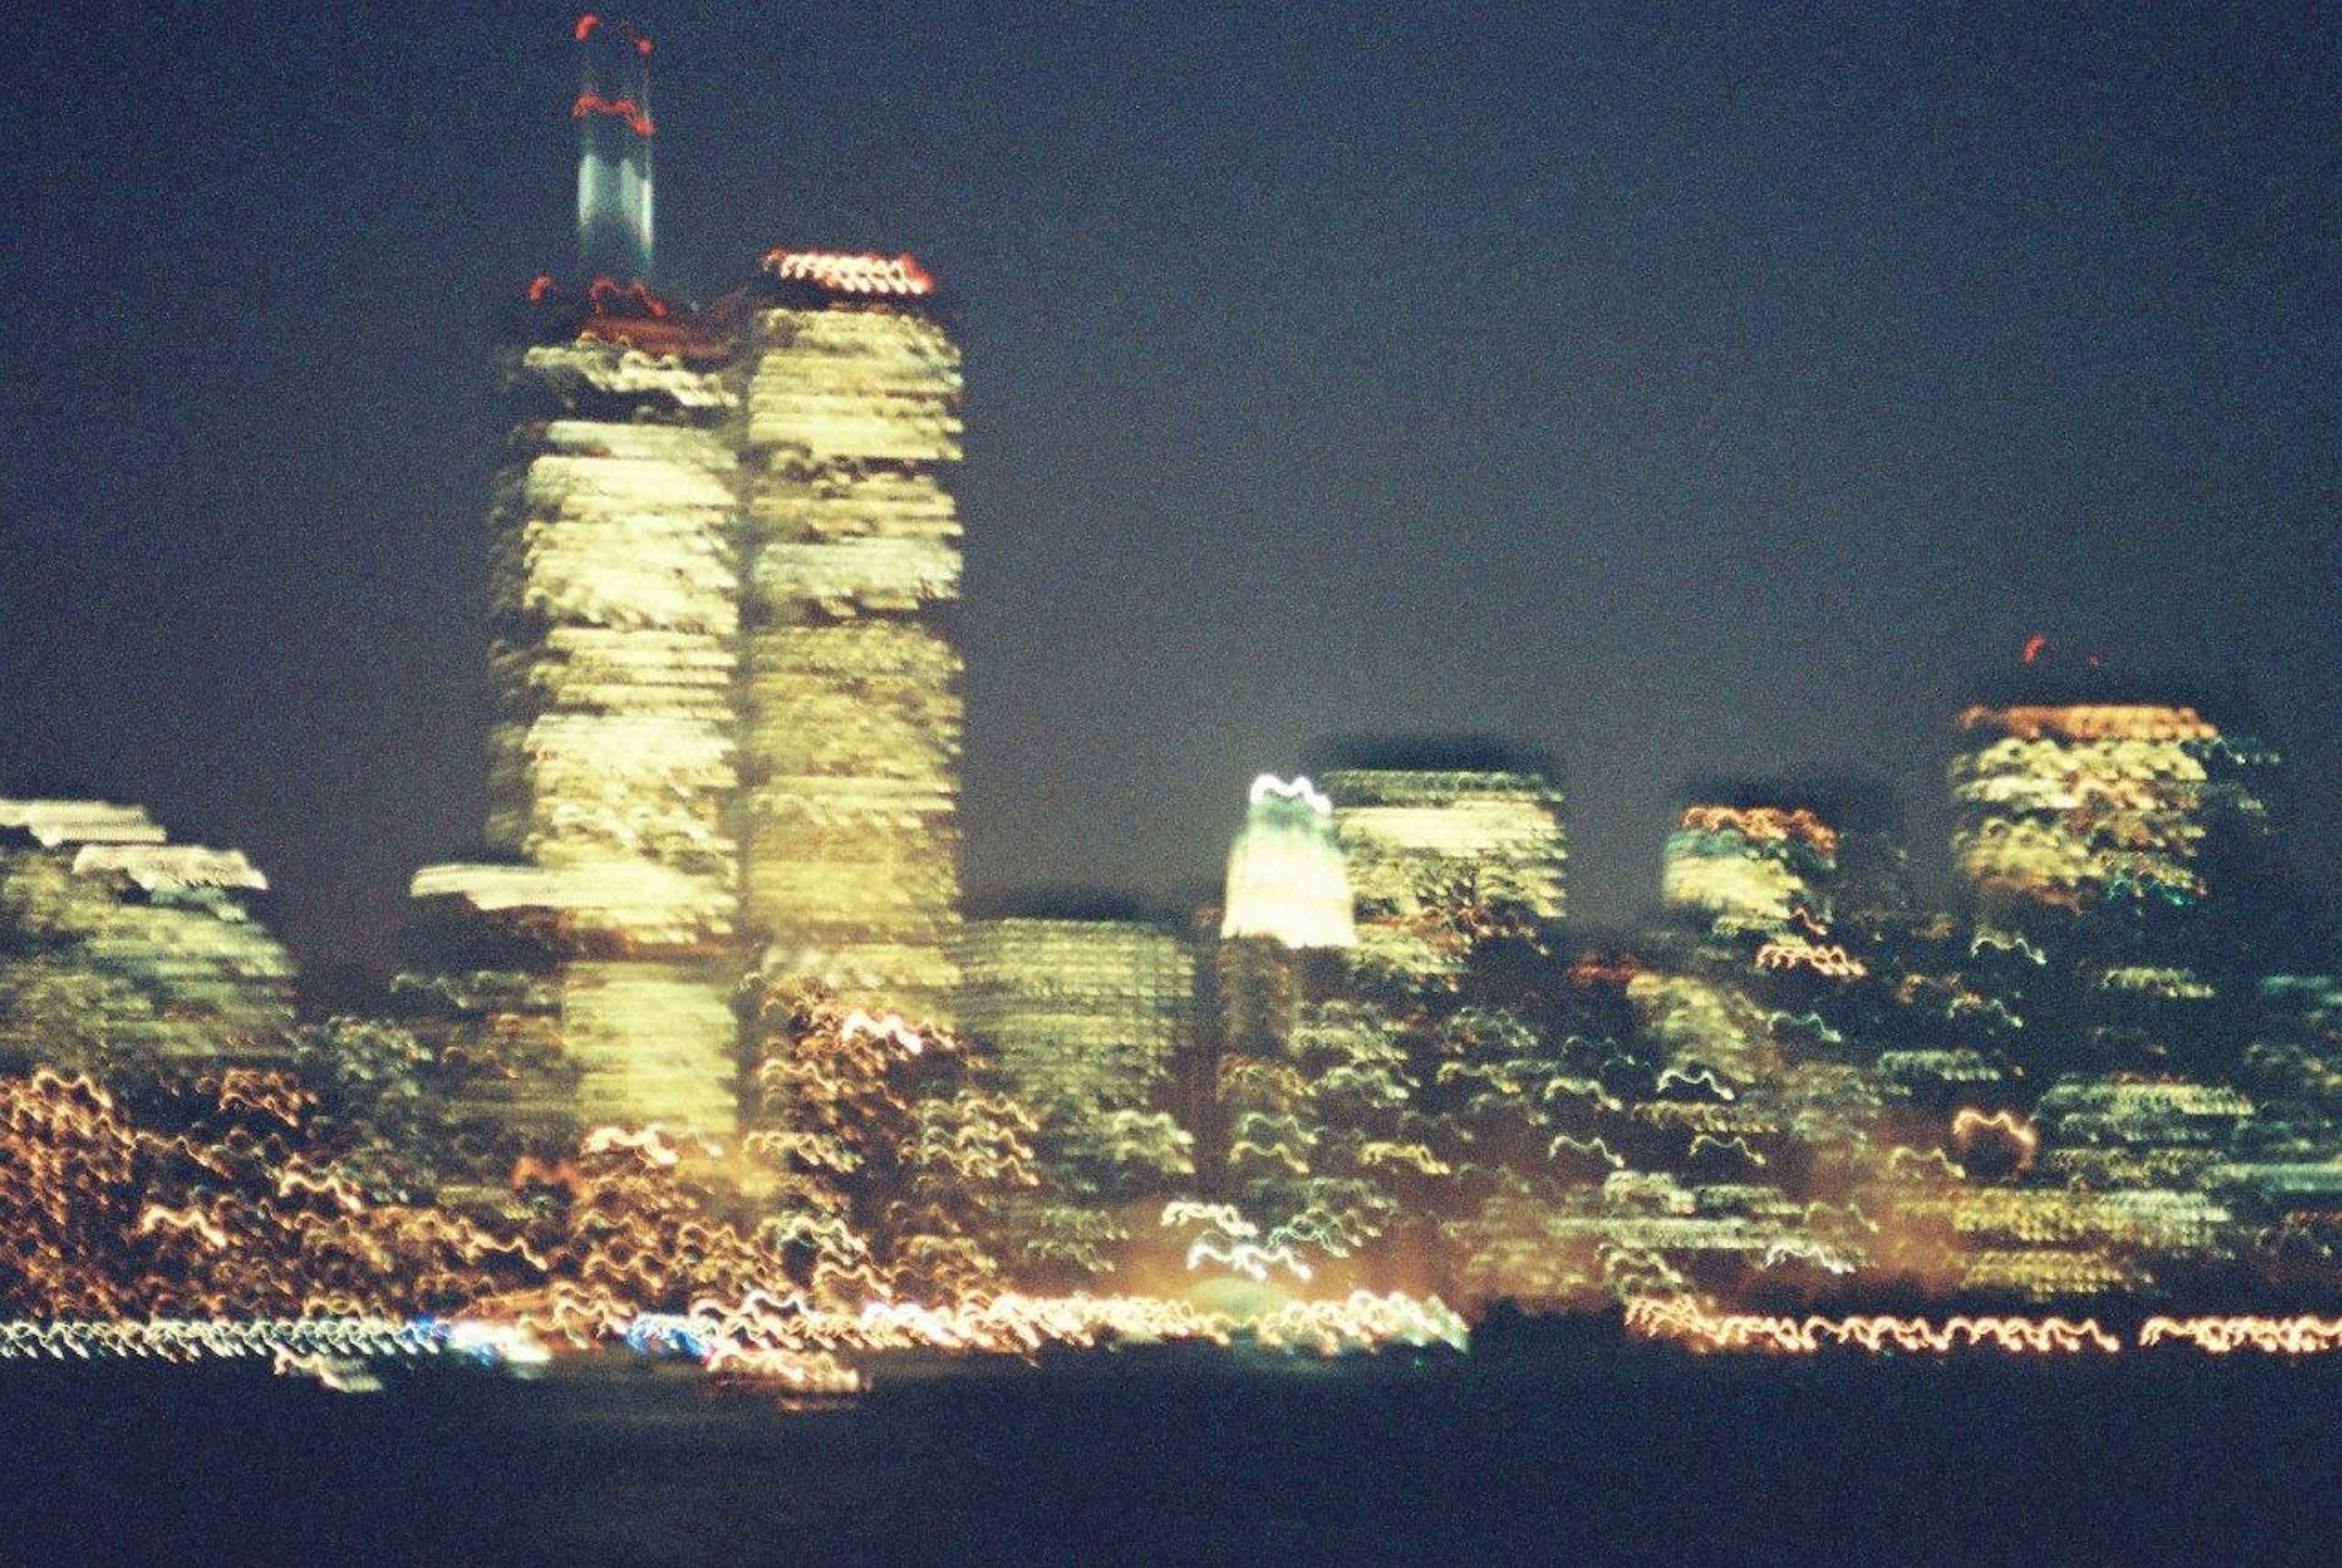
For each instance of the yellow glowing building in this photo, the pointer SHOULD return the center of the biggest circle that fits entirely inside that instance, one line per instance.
(2120, 847)
(122, 953)
(1090, 1012)
(1285, 880)
(1445, 847)
(1748, 868)
(1287, 896)
(848, 431)
(728, 708)
(615, 616)
(2082, 804)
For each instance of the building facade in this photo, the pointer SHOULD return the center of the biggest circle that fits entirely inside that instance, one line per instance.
(1092, 1013)
(1445, 846)
(2110, 847)
(615, 614)
(124, 955)
(849, 705)
(728, 717)
(727, 688)
(1749, 868)
(1286, 879)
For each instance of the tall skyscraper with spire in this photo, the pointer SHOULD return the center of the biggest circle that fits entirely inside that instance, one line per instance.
(727, 703)
(615, 618)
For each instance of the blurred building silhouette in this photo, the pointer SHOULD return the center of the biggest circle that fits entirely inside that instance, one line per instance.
(1446, 842)
(2111, 833)
(123, 955)
(1085, 1009)
(849, 711)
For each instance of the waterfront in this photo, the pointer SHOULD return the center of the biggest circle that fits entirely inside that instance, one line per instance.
(1574, 1453)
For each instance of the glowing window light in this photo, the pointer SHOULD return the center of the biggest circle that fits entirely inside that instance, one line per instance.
(849, 704)
(1746, 894)
(1433, 853)
(1763, 824)
(2084, 804)
(54, 823)
(1826, 959)
(2092, 721)
(154, 866)
(615, 598)
(119, 950)
(1081, 1013)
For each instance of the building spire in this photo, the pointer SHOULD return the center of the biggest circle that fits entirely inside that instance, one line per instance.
(613, 110)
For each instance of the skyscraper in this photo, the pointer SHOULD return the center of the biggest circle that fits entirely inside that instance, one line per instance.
(727, 704)
(849, 682)
(2115, 831)
(1086, 1012)
(1446, 842)
(1287, 895)
(615, 614)
(2078, 805)
(1285, 880)
(1748, 868)
(122, 953)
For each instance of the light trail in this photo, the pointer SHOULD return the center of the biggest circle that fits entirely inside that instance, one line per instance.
(1686, 1321)
(2302, 1336)
(1970, 1124)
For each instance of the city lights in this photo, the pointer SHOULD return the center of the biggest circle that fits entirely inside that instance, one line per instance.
(699, 1052)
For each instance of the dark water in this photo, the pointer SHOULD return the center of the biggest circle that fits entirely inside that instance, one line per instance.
(1574, 1456)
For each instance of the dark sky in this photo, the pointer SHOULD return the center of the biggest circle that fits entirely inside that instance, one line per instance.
(1723, 394)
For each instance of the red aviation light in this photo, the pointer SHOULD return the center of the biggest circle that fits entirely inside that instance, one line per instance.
(539, 286)
(643, 47)
(2033, 644)
(624, 109)
(608, 297)
(850, 273)
(586, 25)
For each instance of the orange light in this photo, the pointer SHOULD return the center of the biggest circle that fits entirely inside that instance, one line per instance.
(2269, 1335)
(2093, 721)
(606, 294)
(1827, 959)
(626, 109)
(1690, 1324)
(586, 25)
(1765, 824)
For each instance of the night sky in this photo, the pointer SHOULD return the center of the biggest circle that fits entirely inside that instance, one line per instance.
(1721, 395)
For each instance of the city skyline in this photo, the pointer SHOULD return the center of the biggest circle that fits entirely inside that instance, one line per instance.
(1175, 783)
(262, 621)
